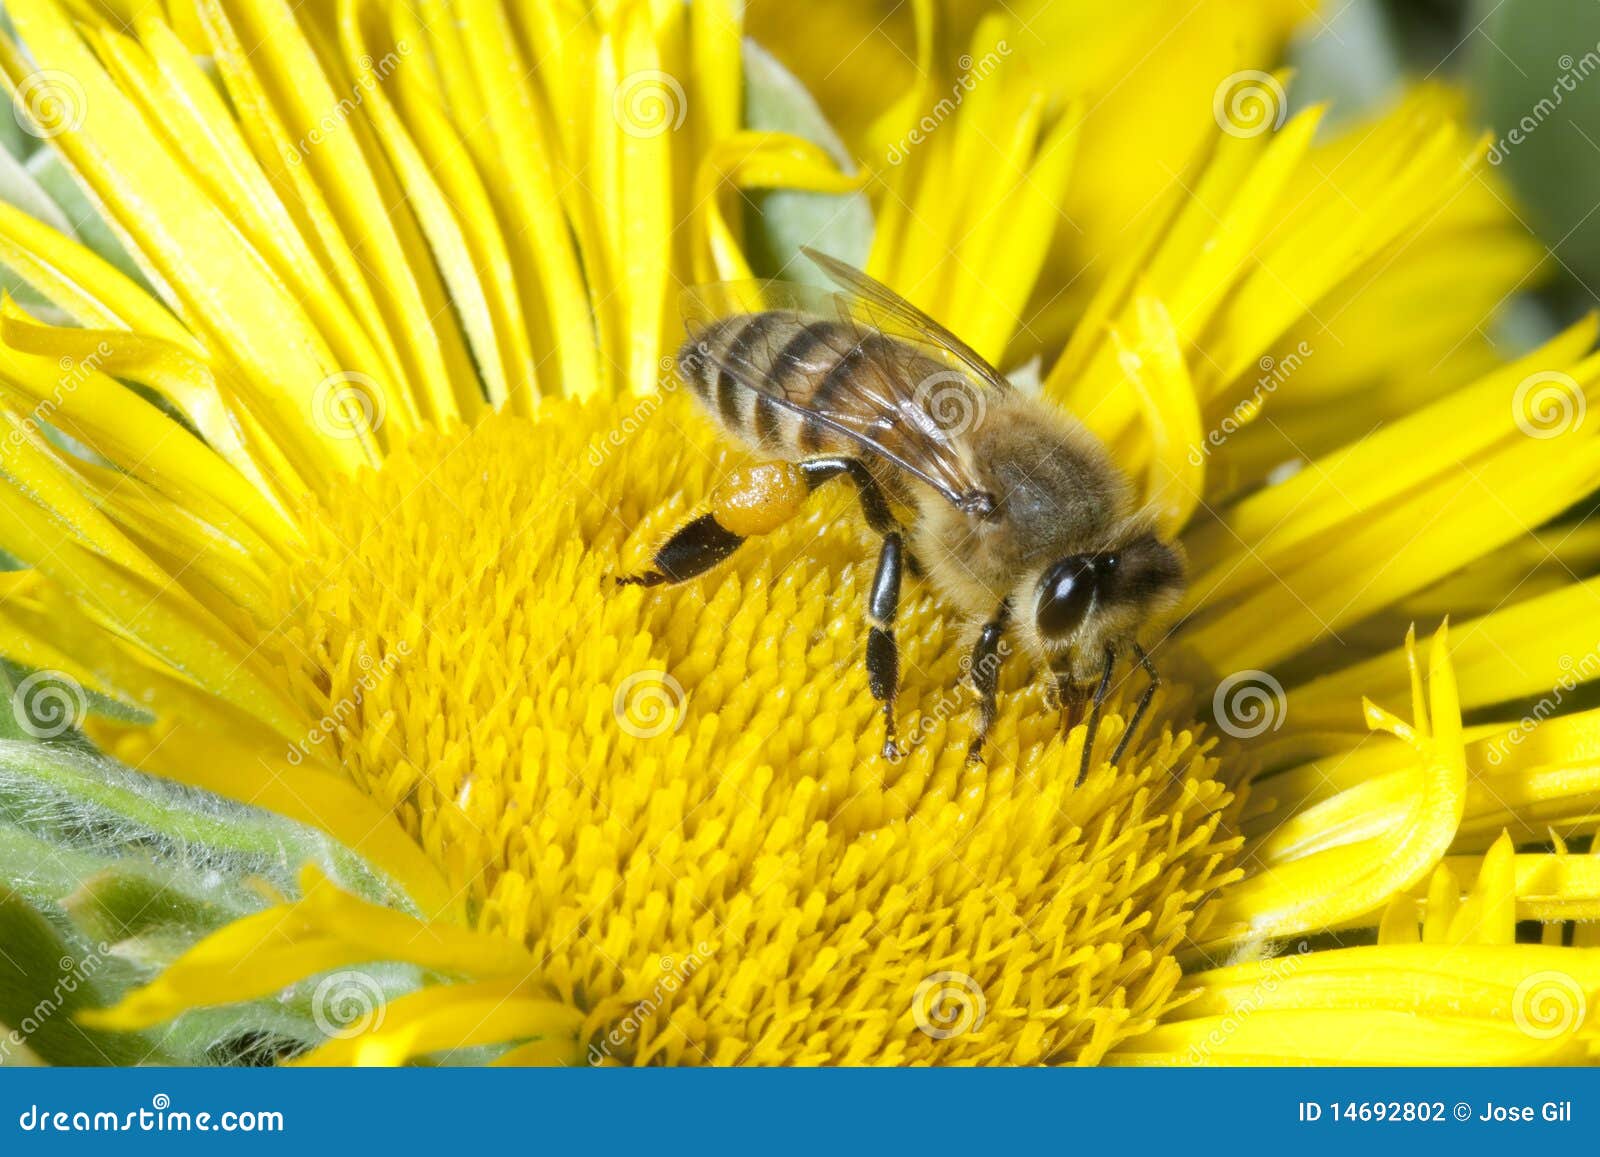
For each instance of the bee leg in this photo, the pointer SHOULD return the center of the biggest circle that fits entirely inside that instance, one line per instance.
(752, 500)
(883, 654)
(1094, 717)
(985, 669)
(694, 548)
(1142, 706)
(874, 505)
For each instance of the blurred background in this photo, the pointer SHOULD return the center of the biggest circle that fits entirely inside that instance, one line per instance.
(1529, 69)
(1532, 71)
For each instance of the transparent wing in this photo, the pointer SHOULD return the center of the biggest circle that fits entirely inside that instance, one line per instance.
(891, 312)
(896, 397)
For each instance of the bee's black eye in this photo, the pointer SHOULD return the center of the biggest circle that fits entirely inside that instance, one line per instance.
(1066, 592)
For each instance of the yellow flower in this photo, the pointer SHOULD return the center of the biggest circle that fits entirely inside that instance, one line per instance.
(402, 414)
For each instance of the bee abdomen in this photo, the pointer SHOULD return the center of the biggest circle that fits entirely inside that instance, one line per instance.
(714, 361)
(796, 360)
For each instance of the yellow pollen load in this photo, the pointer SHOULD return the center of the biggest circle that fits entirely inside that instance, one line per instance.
(758, 499)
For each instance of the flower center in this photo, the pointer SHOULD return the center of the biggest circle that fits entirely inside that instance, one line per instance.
(674, 797)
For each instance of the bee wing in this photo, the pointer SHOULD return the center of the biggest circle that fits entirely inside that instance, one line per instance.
(893, 313)
(888, 404)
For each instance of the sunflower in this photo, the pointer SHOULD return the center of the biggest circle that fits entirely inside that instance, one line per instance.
(335, 386)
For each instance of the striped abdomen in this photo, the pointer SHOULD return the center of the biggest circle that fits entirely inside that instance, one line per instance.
(801, 359)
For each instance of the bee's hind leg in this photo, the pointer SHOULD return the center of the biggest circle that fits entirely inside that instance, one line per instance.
(874, 505)
(751, 501)
(883, 653)
(883, 600)
(690, 551)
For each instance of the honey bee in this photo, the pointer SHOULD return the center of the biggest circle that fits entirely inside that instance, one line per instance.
(1013, 511)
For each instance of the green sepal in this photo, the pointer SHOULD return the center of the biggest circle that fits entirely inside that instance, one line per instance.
(47, 975)
(133, 871)
(82, 801)
(780, 221)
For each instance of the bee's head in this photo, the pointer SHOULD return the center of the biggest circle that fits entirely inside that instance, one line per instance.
(1086, 602)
